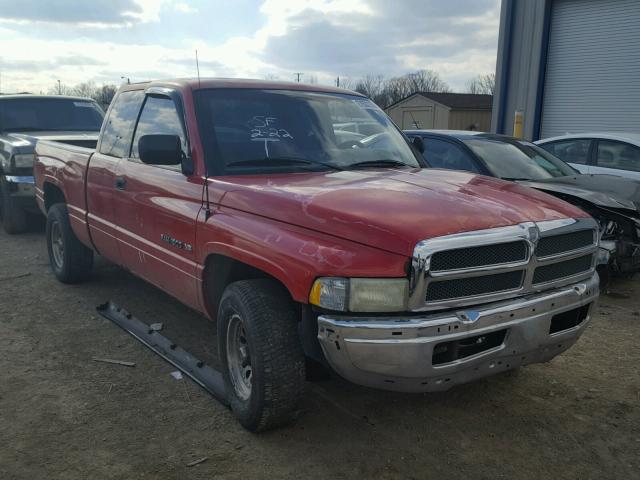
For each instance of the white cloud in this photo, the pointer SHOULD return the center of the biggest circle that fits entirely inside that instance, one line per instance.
(323, 38)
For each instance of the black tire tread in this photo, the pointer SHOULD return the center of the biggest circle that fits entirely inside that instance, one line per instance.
(274, 325)
(78, 257)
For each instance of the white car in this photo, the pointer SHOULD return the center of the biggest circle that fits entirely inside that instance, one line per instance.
(610, 153)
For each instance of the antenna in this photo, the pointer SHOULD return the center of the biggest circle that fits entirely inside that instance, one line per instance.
(198, 68)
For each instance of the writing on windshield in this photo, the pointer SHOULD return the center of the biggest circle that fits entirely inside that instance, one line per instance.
(251, 130)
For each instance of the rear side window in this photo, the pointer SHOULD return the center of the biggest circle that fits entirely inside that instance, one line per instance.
(159, 116)
(570, 151)
(116, 138)
(619, 155)
(443, 154)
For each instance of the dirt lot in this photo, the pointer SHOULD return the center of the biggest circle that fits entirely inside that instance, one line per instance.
(64, 416)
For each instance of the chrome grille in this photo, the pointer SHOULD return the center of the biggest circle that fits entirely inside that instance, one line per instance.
(566, 242)
(461, 258)
(474, 286)
(568, 268)
(501, 263)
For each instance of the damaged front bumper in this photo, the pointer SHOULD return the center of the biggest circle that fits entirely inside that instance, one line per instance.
(437, 351)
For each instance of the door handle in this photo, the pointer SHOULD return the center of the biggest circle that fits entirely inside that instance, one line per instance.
(121, 183)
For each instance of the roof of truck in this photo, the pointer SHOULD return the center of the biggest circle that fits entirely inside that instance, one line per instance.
(30, 95)
(206, 83)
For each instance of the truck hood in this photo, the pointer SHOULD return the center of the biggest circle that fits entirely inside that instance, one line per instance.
(24, 142)
(608, 191)
(389, 209)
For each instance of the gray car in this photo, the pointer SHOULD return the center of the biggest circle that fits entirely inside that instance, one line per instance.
(602, 153)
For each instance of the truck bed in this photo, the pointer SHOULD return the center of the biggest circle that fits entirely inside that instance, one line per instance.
(64, 166)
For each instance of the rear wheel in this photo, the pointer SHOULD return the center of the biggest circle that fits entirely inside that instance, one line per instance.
(14, 218)
(70, 260)
(261, 356)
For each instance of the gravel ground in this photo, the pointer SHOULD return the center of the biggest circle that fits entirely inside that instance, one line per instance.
(63, 415)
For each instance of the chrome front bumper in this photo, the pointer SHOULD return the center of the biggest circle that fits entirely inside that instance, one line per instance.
(21, 185)
(396, 353)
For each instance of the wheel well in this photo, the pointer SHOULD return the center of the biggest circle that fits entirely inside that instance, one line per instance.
(52, 195)
(219, 272)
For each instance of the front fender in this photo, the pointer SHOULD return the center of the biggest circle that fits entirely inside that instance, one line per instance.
(293, 255)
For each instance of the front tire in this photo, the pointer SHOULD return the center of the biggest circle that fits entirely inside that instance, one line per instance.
(70, 260)
(14, 218)
(262, 359)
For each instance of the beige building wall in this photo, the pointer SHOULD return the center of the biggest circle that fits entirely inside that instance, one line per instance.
(463, 119)
(418, 109)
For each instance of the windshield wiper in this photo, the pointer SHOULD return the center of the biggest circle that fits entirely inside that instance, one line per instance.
(281, 161)
(516, 179)
(380, 163)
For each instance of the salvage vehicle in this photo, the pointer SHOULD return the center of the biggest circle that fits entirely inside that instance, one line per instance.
(613, 201)
(24, 119)
(615, 153)
(251, 203)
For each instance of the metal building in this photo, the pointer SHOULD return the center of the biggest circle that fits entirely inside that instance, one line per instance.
(452, 111)
(569, 66)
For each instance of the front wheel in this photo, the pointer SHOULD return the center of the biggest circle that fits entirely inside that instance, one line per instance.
(261, 356)
(70, 260)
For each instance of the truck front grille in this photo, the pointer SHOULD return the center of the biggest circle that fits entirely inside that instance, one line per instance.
(567, 242)
(473, 286)
(500, 263)
(557, 271)
(498, 254)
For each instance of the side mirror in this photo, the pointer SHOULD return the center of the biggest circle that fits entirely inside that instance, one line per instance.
(160, 149)
(418, 143)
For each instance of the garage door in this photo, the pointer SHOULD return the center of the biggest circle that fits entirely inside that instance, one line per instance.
(592, 79)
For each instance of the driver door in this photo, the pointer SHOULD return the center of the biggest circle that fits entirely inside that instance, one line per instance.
(157, 207)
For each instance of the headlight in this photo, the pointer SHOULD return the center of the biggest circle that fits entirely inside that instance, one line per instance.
(360, 294)
(23, 160)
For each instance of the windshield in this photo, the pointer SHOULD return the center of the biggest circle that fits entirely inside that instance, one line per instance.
(41, 114)
(518, 160)
(256, 131)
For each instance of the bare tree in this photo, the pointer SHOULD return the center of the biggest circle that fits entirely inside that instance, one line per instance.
(104, 95)
(85, 89)
(425, 81)
(387, 91)
(59, 89)
(372, 86)
(485, 84)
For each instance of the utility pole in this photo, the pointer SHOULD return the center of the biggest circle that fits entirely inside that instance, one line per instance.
(298, 75)
(59, 88)
(338, 82)
(127, 79)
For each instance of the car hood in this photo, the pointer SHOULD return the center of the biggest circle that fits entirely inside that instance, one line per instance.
(389, 209)
(607, 191)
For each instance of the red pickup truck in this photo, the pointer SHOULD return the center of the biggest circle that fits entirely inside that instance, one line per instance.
(300, 219)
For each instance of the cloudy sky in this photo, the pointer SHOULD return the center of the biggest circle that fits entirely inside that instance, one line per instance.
(101, 40)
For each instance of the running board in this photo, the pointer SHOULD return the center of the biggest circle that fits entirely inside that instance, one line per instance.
(204, 375)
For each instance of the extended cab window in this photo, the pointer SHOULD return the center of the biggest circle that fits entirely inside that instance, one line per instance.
(116, 138)
(159, 116)
(443, 154)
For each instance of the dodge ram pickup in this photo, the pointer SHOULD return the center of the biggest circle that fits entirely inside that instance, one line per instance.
(23, 120)
(252, 203)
